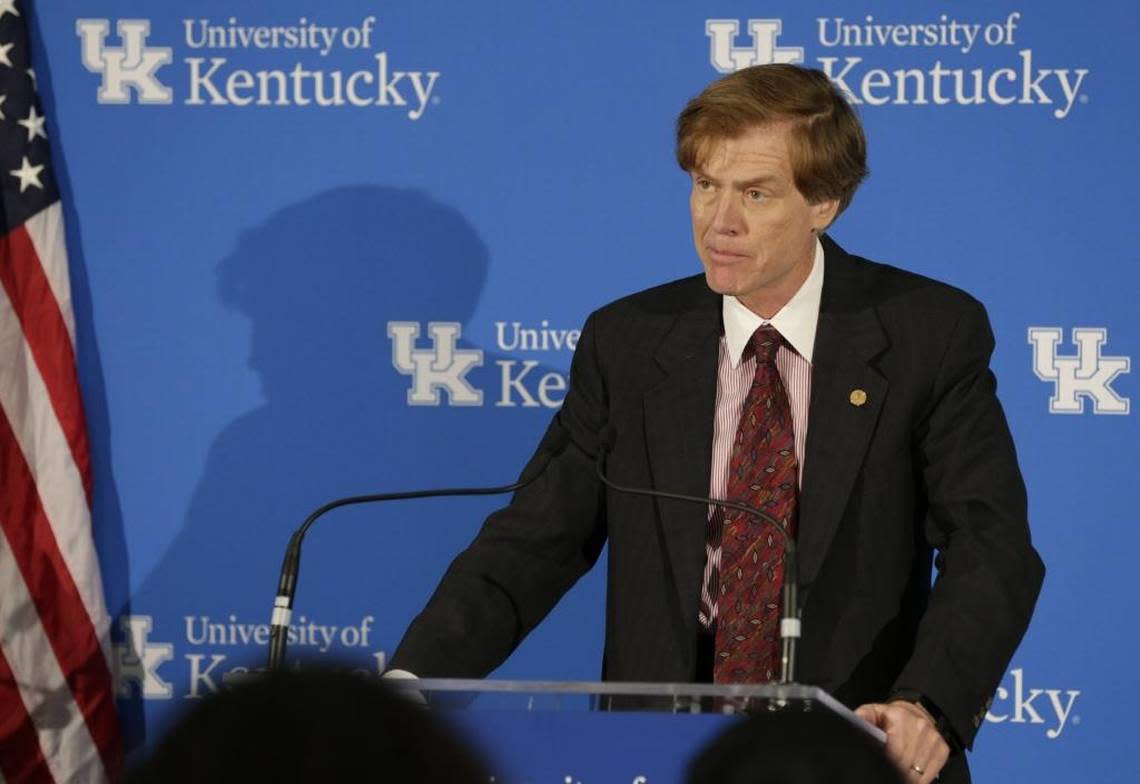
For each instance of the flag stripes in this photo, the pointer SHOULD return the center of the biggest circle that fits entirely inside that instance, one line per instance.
(45, 229)
(23, 759)
(57, 690)
(37, 311)
(36, 431)
(51, 643)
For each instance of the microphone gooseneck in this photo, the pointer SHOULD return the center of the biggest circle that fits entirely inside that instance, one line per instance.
(291, 564)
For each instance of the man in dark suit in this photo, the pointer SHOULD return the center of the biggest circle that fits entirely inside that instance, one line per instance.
(850, 399)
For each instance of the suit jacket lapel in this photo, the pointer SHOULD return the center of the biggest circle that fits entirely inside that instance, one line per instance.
(846, 397)
(679, 414)
(680, 410)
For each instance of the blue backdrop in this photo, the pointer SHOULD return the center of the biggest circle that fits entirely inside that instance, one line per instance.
(255, 217)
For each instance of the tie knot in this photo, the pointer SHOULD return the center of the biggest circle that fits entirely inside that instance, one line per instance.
(765, 342)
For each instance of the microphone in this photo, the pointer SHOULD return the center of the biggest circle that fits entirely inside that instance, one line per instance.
(790, 620)
(552, 446)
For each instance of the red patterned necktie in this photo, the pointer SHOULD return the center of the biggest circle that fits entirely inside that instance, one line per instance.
(763, 474)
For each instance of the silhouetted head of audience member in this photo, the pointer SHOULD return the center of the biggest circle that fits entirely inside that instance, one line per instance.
(309, 726)
(815, 747)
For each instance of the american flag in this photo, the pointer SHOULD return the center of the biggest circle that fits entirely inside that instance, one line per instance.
(57, 709)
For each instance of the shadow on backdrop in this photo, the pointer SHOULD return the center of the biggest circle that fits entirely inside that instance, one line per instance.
(320, 281)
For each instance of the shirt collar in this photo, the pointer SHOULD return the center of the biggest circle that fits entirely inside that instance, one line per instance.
(796, 321)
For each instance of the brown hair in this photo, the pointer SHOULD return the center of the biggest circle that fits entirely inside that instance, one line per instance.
(828, 149)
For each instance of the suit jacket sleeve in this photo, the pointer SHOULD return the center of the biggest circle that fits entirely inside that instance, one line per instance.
(988, 572)
(527, 555)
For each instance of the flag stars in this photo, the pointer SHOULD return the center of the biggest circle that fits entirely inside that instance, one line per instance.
(28, 175)
(32, 75)
(8, 7)
(2, 99)
(4, 59)
(34, 123)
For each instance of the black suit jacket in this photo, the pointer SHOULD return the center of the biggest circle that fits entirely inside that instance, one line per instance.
(924, 467)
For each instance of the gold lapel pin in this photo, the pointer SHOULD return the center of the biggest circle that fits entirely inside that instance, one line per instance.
(858, 397)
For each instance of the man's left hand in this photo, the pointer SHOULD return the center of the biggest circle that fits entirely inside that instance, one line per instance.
(913, 741)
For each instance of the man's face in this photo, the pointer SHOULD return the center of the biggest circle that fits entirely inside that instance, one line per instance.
(753, 230)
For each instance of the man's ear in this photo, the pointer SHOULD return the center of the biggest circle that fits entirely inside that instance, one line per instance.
(823, 213)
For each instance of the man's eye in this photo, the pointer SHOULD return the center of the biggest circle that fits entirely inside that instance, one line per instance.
(704, 185)
(755, 195)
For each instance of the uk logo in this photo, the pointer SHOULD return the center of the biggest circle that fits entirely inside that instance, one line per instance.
(1088, 375)
(444, 366)
(726, 57)
(136, 660)
(132, 65)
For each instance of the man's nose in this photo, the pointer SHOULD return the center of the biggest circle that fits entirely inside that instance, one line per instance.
(726, 216)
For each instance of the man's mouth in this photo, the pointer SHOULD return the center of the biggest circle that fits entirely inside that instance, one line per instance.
(723, 255)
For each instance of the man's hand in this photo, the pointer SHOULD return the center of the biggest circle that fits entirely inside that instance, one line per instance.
(913, 741)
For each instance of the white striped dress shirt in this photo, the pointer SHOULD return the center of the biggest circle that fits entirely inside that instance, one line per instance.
(796, 322)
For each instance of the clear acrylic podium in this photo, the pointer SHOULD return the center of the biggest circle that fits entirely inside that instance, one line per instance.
(558, 732)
